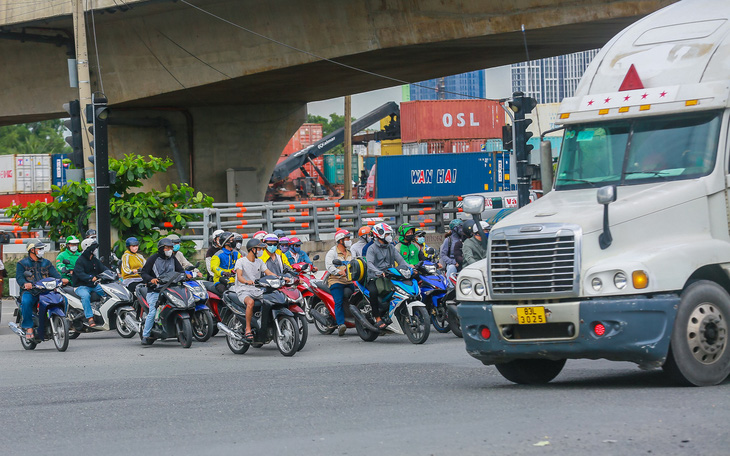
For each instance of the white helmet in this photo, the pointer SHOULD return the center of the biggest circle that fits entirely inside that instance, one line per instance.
(86, 243)
(341, 234)
(381, 230)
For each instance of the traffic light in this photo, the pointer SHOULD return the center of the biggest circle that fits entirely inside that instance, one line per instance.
(521, 106)
(507, 137)
(73, 108)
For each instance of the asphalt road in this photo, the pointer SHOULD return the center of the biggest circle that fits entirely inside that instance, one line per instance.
(111, 396)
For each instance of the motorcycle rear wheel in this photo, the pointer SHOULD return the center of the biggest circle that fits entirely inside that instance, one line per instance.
(287, 337)
(440, 321)
(321, 307)
(28, 344)
(184, 332)
(203, 325)
(303, 330)
(455, 325)
(59, 329)
(238, 347)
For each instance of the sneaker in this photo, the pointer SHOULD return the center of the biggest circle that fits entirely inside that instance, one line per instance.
(146, 341)
(341, 330)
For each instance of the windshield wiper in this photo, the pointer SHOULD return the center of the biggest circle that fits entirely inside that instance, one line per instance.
(655, 173)
(583, 181)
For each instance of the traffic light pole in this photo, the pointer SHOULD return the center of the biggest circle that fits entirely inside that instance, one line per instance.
(522, 105)
(101, 165)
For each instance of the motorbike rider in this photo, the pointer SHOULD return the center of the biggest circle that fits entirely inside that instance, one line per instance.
(179, 255)
(41, 269)
(86, 276)
(446, 252)
(465, 232)
(410, 250)
(279, 233)
(380, 257)
(70, 253)
(284, 246)
(249, 268)
(337, 280)
(161, 263)
(297, 255)
(132, 263)
(362, 239)
(272, 257)
(224, 261)
(473, 248)
(215, 246)
(422, 247)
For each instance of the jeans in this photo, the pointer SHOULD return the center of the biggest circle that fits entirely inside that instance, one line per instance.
(451, 269)
(27, 304)
(374, 298)
(152, 301)
(85, 295)
(338, 294)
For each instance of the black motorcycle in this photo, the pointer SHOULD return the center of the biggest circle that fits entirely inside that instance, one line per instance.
(174, 309)
(272, 320)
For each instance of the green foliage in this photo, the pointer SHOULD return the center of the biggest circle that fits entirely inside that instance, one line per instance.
(132, 214)
(328, 126)
(44, 137)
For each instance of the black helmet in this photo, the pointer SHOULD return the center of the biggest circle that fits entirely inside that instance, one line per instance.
(253, 243)
(162, 243)
(227, 239)
(90, 232)
(468, 228)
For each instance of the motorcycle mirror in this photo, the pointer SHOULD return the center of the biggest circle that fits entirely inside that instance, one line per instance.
(28, 275)
(66, 262)
(430, 251)
(315, 258)
(337, 262)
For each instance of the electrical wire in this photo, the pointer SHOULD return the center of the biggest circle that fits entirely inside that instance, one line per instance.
(334, 62)
(527, 54)
(160, 62)
(96, 49)
(13, 16)
(194, 56)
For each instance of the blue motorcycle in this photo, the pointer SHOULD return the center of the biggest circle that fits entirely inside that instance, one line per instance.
(406, 313)
(434, 287)
(49, 320)
(202, 317)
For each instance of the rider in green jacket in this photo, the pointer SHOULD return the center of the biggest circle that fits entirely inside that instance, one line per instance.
(70, 253)
(410, 251)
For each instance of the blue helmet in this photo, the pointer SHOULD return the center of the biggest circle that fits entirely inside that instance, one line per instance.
(132, 241)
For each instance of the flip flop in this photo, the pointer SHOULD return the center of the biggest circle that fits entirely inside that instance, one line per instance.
(29, 334)
(91, 322)
(248, 337)
(381, 325)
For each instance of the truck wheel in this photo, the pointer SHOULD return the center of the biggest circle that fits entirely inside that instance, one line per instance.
(698, 354)
(531, 371)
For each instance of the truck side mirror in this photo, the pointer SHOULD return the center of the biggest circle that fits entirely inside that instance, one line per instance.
(605, 195)
(473, 204)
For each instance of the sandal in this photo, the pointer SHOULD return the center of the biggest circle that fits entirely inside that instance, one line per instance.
(248, 337)
(380, 325)
(92, 323)
(29, 334)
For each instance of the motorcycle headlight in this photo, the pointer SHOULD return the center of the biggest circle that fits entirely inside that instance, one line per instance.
(465, 286)
(175, 300)
(431, 269)
(48, 285)
(275, 283)
(406, 274)
(121, 295)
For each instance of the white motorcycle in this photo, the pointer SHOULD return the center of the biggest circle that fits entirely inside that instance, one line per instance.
(109, 311)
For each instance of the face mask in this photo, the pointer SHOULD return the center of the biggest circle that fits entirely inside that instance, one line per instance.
(409, 237)
(176, 247)
(421, 240)
(348, 243)
(238, 245)
(389, 239)
(168, 253)
(259, 253)
(284, 248)
(39, 253)
(73, 247)
(271, 248)
(96, 253)
(295, 249)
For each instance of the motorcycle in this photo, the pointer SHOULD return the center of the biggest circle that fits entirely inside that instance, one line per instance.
(434, 287)
(49, 319)
(296, 301)
(406, 313)
(217, 307)
(109, 311)
(305, 273)
(272, 320)
(202, 317)
(451, 303)
(174, 307)
(323, 308)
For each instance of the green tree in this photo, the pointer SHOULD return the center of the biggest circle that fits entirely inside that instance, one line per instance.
(328, 126)
(45, 137)
(139, 214)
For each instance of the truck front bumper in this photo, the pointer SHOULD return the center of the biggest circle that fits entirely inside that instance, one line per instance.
(637, 329)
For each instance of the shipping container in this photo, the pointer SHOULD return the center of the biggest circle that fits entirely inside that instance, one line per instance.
(7, 174)
(391, 148)
(23, 199)
(33, 173)
(334, 168)
(308, 134)
(374, 148)
(450, 119)
(441, 174)
(59, 169)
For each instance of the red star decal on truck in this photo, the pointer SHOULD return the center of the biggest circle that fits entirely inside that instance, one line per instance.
(661, 95)
(626, 98)
(644, 96)
(607, 100)
(590, 102)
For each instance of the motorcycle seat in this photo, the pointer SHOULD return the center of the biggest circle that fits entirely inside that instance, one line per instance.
(210, 286)
(233, 297)
(323, 286)
(71, 291)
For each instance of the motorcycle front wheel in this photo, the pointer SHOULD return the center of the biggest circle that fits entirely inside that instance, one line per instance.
(440, 320)
(419, 327)
(303, 330)
(287, 337)
(203, 325)
(122, 328)
(184, 332)
(59, 328)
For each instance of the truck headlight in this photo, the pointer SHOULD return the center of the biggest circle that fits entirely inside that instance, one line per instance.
(465, 286)
(596, 284)
(479, 289)
(619, 280)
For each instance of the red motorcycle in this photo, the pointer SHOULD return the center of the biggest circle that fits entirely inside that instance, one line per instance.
(305, 276)
(295, 304)
(217, 307)
(322, 307)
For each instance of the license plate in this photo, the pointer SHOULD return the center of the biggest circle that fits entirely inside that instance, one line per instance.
(531, 315)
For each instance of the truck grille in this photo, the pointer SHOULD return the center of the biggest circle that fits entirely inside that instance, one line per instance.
(534, 265)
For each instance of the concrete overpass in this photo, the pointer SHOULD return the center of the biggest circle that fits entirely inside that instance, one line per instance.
(232, 98)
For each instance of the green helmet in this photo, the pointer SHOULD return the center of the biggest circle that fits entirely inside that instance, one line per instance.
(402, 230)
(72, 240)
(454, 223)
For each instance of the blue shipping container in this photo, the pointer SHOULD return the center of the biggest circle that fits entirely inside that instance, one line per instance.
(441, 174)
(59, 170)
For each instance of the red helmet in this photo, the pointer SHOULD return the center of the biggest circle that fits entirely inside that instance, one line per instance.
(341, 234)
(363, 231)
(294, 240)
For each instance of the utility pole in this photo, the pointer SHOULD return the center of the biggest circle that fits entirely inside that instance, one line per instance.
(82, 66)
(348, 147)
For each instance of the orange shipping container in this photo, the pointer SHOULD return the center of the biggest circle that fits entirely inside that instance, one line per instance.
(450, 119)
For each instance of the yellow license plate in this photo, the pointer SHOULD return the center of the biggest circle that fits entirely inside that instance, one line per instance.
(531, 315)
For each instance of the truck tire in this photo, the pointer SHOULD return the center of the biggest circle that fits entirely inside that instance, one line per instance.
(531, 371)
(698, 353)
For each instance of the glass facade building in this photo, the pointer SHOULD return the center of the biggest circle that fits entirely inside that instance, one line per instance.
(459, 86)
(552, 79)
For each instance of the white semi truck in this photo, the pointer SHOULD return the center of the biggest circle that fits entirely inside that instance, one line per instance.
(628, 259)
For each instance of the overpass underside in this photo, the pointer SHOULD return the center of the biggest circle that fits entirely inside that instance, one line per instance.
(232, 99)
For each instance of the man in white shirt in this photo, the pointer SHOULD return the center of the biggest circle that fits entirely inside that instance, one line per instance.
(248, 269)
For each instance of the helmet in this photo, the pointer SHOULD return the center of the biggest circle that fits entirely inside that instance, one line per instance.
(34, 245)
(227, 239)
(294, 240)
(402, 230)
(215, 238)
(238, 241)
(174, 238)
(381, 230)
(260, 235)
(217, 233)
(279, 233)
(484, 225)
(363, 231)
(253, 243)
(89, 242)
(164, 242)
(132, 241)
(72, 240)
(341, 234)
(271, 237)
(284, 240)
(90, 233)
(357, 270)
(454, 223)
(468, 228)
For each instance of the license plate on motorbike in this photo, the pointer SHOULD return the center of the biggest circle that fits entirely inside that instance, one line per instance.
(531, 315)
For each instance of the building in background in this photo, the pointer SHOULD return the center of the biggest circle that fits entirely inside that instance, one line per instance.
(552, 79)
(456, 87)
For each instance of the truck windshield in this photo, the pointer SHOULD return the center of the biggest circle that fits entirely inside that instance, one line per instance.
(638, 151)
